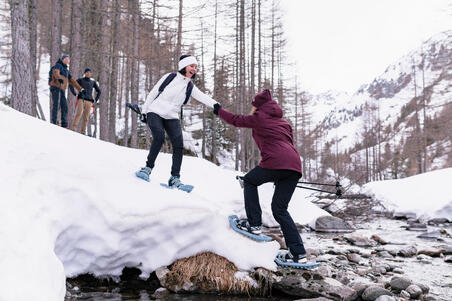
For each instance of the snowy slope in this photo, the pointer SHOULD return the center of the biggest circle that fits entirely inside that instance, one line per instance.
(71, 204)
(427, 195)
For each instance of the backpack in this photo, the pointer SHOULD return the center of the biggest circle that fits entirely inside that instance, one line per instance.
(51, 73)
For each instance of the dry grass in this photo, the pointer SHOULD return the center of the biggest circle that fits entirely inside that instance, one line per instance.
(212, 274)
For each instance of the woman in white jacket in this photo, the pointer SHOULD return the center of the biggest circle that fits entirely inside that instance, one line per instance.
(162, 107)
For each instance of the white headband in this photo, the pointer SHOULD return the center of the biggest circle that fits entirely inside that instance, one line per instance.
(189, 60)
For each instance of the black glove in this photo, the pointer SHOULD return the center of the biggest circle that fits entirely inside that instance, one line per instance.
(82, 94)
(61, 80)
(143, 118)
(97, 100)
(216, 108)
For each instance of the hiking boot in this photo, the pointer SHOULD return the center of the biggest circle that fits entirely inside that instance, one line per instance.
(144, 173)
(244, 225)
(174, 181)
(289, 257)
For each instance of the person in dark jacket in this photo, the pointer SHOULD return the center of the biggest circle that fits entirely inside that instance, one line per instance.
(85, 104)
(59, 78)
(280, 164)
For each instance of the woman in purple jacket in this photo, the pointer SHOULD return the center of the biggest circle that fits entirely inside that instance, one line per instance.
(280, 164)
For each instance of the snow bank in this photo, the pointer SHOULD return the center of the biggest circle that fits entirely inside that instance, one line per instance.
(72, 204)
(427, 195)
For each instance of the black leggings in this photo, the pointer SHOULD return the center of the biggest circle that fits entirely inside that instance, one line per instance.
(158, 126)
(285, 184)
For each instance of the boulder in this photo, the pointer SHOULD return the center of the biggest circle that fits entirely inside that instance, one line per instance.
(438, 221)
(407, 252)
(414, 226)
(399, 283)
(433, 252)
(359, 240)
(373, 292)
(414, 291)
(355, 258)
(331, 224)
(431, 235)
(378, 239)
(310, 284)
(404, 215)
(385, 298)
(448, 259)
(160, 293)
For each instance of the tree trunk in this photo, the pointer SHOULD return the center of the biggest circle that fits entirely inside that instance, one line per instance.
(33, 50)
(22, 78)
(135, 74)
(76, 55)
(215, 92)
(55, 36)
(114, 71)
(104, 72)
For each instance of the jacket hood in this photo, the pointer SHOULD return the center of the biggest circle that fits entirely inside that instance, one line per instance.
(263, 102)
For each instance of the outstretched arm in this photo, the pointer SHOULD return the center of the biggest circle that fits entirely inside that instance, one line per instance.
(241, 121)
(203, 98)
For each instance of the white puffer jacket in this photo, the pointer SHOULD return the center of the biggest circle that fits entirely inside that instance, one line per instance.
(169, 102)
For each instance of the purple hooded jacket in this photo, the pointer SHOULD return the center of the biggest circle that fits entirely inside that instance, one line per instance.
(272, 134)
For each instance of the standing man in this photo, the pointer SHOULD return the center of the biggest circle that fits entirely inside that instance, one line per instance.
(86, 102)
(59, 77)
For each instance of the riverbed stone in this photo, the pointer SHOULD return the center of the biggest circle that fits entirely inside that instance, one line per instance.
(359, 240)
(385, 298)
(161, 293)
(448, 259)
(404, 215)
(447, 249)
(405, 295)
(399, 283)
(379, 239)
(415, 226)
(373, 292)
(425, 289)
(353, 257)
(432, 251)
(315, 299)
(414, 291)
(431, 235)
(310, 284)
(332, 224)
(407, 252)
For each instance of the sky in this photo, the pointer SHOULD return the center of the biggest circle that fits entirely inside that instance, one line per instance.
(340, 45)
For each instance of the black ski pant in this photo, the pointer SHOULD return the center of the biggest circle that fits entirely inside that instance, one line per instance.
(285, 184)
(58, 100)
(158, 126)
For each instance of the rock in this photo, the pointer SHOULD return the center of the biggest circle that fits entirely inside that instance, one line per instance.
(359, 287)
(407, 252)
(385, 298)
(404, 215)
(447, 250)
(384, 254)
(378, 239)
(380, 270)
(414, 291)
(315, 299)
(331, 224)
(359, 240)
(161, 274)
(310, 284)
(431, 235)
(160, 293)
(399, 283)
(324, 270)
(433, 252)
(373, 292)
(404, 294)
(414, 226)
(448, 259)
(353, 257)
(398, 271)
(425, 289)
(438, 221)
(362, 272)
(424, 259)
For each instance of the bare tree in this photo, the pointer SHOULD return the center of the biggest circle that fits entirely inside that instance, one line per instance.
(76, 55)
(22, 78)
(114, 70)
(104, 71)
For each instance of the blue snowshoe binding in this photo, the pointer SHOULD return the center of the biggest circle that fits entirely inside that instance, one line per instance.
(144, 173)
(243, 227)
(287, 260)
(174, 182)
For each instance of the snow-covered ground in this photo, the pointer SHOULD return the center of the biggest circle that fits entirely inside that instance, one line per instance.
(428, 195)
(72, 204)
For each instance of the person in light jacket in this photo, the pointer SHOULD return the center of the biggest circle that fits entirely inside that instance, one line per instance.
(162, 107)
(280, 164)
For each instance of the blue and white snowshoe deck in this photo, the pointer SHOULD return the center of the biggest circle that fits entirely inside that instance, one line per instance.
(142, 175)
(305, 266)
(233, 219)
(186, 188)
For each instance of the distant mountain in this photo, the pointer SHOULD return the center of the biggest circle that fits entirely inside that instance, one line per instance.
(385, 109)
